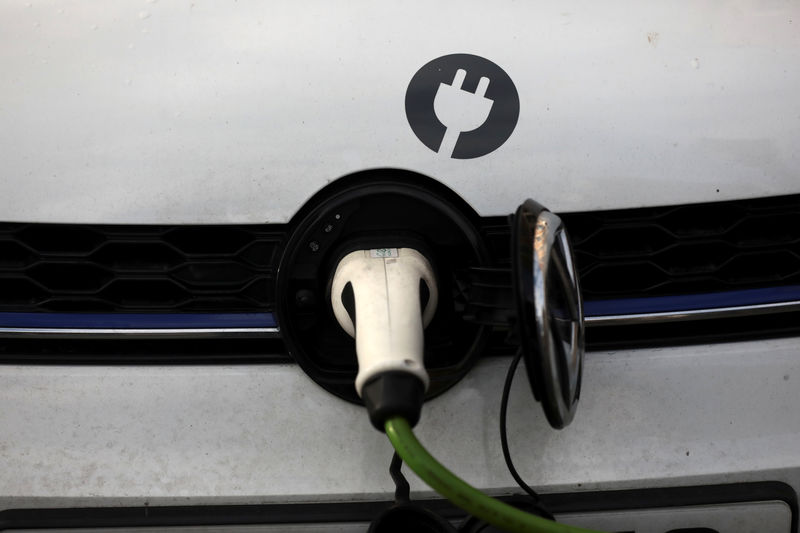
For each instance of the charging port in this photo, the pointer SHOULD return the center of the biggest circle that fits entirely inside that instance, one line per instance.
(373, 210)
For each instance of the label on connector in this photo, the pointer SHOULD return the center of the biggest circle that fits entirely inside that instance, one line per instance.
(462, 106)
(378, 253)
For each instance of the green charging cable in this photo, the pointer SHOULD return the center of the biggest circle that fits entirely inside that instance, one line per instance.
(461, 493)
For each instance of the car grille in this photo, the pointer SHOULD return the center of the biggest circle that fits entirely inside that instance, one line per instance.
(680, 250)
(82, 268)
(688, 249)
(642, 260)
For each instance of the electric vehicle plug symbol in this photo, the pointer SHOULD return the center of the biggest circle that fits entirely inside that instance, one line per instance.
(456, 122)
(460, 111)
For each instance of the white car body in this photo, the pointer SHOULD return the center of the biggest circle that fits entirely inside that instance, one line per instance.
(199, 112)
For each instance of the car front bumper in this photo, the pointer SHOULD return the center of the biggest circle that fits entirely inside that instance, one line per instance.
(76, 436)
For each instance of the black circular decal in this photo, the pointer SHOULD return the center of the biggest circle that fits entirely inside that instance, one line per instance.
(462, 106)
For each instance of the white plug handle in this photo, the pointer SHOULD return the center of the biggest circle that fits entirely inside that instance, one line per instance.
(389, 319)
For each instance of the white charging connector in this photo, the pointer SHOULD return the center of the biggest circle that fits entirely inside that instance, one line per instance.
(376, 298)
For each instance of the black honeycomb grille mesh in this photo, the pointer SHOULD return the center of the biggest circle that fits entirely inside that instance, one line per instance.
(82, 268)
(688, 249)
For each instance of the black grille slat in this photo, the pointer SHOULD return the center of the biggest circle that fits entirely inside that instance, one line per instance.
(124, 350)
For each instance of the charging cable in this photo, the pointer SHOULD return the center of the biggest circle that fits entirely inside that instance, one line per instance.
(385, 298)
(461, 493)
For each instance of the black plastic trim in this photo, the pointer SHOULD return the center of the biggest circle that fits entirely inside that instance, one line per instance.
(393, 393)
(558, 503)
(29, 351)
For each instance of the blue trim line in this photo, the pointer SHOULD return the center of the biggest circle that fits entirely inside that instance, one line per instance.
(691, 302)
(623, 306)
(137, 320)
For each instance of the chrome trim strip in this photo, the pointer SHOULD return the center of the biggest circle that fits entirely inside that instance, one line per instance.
(591, 321)
(696, 314)
(154, 333)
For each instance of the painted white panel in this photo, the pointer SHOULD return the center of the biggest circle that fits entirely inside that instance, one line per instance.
(200, 111)
(85, 435)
